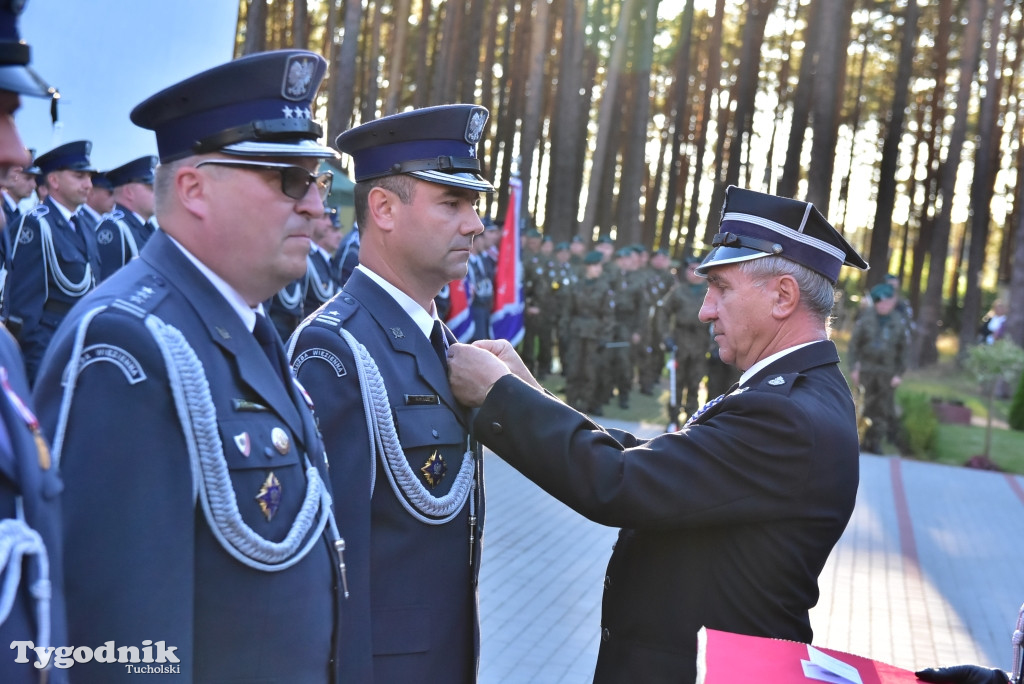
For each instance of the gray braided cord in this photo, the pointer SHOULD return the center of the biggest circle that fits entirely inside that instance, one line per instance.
(18, 540)
(199, 419)
(420, 503)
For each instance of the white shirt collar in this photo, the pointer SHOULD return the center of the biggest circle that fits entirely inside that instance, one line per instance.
(424, 319)
(753, 370)
(237, 302)
(64, 211)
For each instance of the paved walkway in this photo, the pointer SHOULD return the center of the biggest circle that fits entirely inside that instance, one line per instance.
(927, 573)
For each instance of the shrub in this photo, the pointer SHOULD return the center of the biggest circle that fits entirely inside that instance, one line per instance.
(920, 426)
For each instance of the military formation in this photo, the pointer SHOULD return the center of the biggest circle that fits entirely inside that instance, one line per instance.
(616, 320)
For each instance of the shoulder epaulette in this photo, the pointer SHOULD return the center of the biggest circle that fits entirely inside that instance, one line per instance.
(779, 384)
(147, 293)
(335, 312)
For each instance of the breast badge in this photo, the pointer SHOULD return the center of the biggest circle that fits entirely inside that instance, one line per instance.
(280, 440)
(434, 469)
(269, 497)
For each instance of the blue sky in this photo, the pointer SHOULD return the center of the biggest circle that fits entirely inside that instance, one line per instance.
(106, 56)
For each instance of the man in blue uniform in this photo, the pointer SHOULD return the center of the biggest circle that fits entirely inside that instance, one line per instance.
(98, 202)
(727, 522)
(405, 470)
(197, 508)
(125, 231)
(54, 258)
(320, 286)
(31, 568)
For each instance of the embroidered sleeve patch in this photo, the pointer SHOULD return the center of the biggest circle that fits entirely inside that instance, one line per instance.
(97, 353)
(324, 355)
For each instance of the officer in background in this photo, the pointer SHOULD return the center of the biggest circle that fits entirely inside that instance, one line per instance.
(687, 336)
(658, 280)
(346, 258)
(31, 569)
(16, 185)
(198, 513)
(630, 308)
(408, 485)
(125, 230)
(54, 257)
(878, 354)
(481, 278)
(320, 285)
(286, 308)
(591, 319)
(98, 203)
(562, 282)
(537, 275)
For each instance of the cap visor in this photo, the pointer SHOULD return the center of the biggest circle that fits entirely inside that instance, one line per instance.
(299, 148)
(470, 181)
(22, 80)
(720, 256)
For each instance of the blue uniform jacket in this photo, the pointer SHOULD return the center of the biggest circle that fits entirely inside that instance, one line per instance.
(113, 244)
(320, 286)
(726, 523)
(143, 562)
(28, 475)
(414, 597)
(35, 303)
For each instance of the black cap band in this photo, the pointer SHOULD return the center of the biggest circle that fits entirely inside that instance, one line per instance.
(275, 130)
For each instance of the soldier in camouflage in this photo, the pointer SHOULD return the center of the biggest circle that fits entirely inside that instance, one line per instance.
(563, 278)
(658, 281)
(688, 336)
(590, 314)
(877, 356)
(630, 308)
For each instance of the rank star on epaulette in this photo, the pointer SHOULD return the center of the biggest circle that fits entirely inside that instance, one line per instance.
(269, 497)
(434, 469)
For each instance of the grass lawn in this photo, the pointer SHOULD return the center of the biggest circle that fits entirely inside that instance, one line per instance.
(954, 444)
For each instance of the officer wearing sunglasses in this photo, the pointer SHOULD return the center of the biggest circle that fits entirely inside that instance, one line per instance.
(197, 498)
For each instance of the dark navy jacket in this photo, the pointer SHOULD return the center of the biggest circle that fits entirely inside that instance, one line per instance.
(35, 304)
(142, 560)
(414, 597)
(726, 523)
(28, 474)
(112, 238)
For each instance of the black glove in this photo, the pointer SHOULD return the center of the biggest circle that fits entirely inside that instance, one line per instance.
(962, 674)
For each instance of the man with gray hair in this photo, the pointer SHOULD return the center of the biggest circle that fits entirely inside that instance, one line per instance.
(727, 522)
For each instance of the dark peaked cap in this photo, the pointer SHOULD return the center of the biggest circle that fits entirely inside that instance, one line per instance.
(139, 170)
(435, 144)
(73, 156)
(258, 105)
(756, 225)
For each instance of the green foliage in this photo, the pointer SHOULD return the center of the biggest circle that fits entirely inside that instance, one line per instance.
(1002, 360)
(1016, 419)
(920, 426)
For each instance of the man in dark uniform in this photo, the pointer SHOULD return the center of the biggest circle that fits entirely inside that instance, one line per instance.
(728, 522)
(405, 469)
(125, 230)
(54, 257)
(320, 285)
(17, 184)
(481, 278)
(32, 567)
(346, 258)
(688, 337)
(198, 514)
(98, 202)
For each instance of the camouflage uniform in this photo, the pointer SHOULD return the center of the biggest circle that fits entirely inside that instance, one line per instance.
(658, 283)
(536, 345)
(591, 318)
(690, 336)
(630, 308)
(879, 347)
(563, 277)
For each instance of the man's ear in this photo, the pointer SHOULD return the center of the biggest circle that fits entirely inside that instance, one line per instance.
(380, 204)
(193, 190)
(787, 296)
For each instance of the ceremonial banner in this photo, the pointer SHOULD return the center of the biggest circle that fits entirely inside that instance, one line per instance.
(507, 316)
(459, 321)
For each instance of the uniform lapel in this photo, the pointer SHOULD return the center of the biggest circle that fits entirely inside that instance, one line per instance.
(404, 335)
(226, 329)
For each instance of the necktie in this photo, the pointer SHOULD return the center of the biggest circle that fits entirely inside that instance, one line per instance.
(269, 342)
(440, 344)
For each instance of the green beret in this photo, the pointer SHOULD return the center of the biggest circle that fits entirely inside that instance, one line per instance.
(882, 291)
(593, 258)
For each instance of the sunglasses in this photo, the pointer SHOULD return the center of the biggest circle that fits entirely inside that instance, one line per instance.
(295, 180)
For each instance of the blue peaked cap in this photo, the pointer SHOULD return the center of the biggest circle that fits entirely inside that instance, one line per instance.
(435, 144)
(258, 105)
(756, 225)
(139, 170)
(73, 156)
